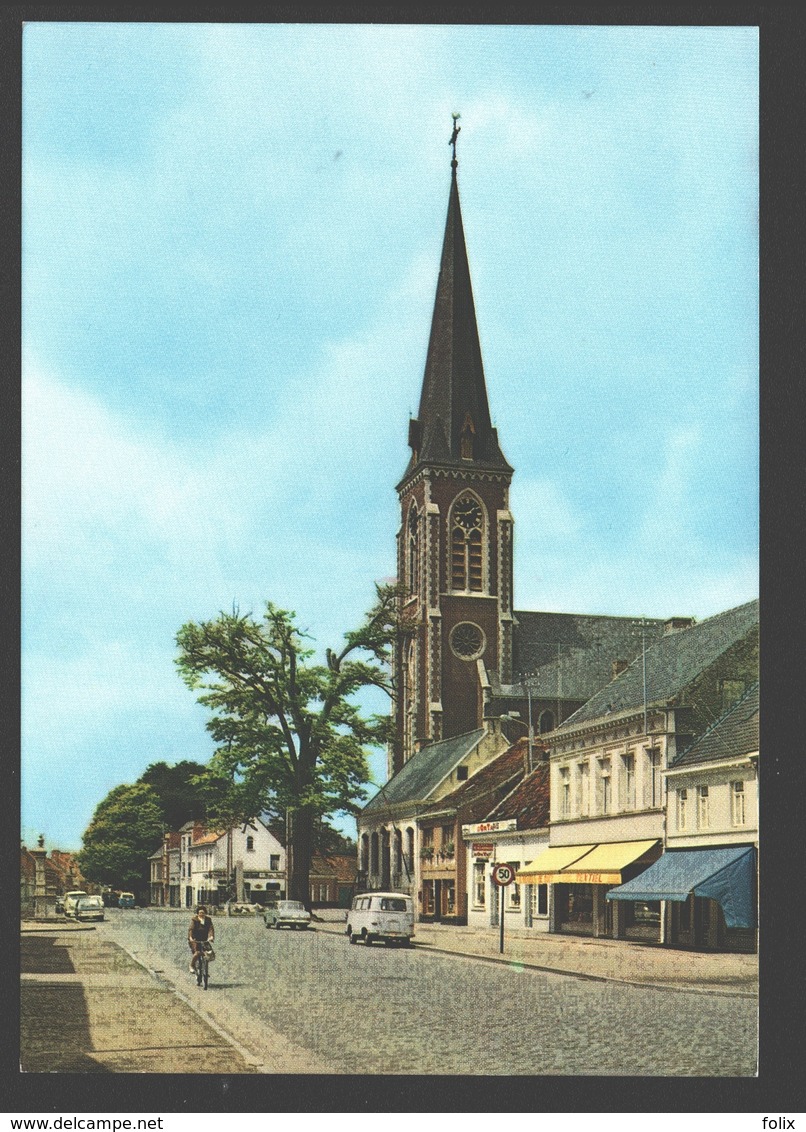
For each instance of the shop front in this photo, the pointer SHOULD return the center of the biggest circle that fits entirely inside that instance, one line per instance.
(708, 894)
(580, 876)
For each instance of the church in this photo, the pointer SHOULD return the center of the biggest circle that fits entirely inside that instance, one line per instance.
(474, 674)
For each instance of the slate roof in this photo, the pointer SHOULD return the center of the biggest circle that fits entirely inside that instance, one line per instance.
(528, 802)
(453, 383)
(418, 778)
(588, 644)
(734, 734)
(671, 663)
(502, 773)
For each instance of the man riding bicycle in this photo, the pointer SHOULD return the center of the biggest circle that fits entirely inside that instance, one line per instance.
(201, 931)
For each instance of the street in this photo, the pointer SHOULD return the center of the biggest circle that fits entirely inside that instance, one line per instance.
(308, 1002)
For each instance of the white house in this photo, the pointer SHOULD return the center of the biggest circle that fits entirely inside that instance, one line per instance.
(245, 863)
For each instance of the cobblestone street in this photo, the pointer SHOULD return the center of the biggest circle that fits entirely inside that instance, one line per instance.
(308, 1002)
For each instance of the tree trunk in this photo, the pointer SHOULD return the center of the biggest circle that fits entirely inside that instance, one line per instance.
(299, 860)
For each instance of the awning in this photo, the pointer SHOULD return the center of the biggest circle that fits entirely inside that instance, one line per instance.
(543, 868)
(725, 875)
(604, 863)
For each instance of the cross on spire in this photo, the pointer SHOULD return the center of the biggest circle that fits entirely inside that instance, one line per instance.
(454, 136)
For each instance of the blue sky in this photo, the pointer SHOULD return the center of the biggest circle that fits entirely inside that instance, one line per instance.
(231, 237)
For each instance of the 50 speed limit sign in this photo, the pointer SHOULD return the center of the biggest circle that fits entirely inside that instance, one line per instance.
(502, 875)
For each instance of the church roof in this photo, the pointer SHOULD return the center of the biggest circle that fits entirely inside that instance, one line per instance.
(454, 395)
(573, 653)
(671, 664)
(419, 777)
(734, 734)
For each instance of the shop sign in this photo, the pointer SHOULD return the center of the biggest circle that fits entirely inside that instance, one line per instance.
(506, 826)
(483, 849)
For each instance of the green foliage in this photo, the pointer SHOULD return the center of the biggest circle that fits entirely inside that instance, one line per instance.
(183, 791)
(289, 739)
(125, 830)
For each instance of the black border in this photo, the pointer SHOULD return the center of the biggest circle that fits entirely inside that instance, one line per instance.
(779, 1087)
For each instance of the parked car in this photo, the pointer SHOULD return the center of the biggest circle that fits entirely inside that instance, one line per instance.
(381, 915)
(126, 900)
(71, 899)
(89, 908)
(286, 914)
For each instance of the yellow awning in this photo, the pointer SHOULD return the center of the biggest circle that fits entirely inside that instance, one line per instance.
(543, 868)
(604, 863)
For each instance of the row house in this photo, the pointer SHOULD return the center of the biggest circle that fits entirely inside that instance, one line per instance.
(513, 833)
(704, 885)
(332, 880)
(610, 763)
(443, 862)
(389, 836)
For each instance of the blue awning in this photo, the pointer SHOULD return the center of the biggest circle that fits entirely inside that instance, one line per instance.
(725, 875)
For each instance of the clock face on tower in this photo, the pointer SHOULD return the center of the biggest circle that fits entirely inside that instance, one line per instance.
(467, 514)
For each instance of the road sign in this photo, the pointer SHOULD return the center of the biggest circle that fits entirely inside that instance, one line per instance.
(502, 875)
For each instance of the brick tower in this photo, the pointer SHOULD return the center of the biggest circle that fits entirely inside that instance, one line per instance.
(455, 539)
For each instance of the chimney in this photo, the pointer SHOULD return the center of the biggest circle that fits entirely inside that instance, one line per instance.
(675, 624)
(618, 667)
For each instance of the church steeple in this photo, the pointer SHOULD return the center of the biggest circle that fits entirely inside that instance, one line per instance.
(453, 426)
(454, 555)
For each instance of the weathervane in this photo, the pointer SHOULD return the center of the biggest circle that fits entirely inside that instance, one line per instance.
(454, 136)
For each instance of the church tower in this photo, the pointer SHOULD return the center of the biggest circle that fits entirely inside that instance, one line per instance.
(455, 539)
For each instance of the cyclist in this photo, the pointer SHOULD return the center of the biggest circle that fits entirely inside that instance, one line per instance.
(201, 930)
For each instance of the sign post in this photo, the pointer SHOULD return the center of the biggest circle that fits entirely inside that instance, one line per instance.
(502, 875)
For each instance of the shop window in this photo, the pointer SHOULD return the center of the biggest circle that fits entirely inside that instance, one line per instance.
(450, 899)
(737, 806)
(703, 808)
(540, 900)
(479, 883)
(428, 898)
(682, 808)
(514, 889)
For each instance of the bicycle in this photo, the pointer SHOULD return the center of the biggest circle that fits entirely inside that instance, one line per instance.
(205, 953)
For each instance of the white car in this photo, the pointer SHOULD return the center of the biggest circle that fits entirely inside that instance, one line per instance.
(89, 908)
(71, 899)
(286, 914)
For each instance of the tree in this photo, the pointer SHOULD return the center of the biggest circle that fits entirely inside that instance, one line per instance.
(290, 741)
(183, 792)
(125, 830)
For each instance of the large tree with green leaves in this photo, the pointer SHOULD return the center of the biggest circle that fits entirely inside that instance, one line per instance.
(291, 740)
(125, 830)
(182, 791)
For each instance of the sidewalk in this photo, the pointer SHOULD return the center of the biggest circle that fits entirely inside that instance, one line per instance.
(617, 961)
(87, 1007)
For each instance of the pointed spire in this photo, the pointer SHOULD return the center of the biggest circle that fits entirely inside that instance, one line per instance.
(453, 425)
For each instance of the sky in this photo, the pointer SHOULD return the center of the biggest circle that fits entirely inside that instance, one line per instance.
(231, 238)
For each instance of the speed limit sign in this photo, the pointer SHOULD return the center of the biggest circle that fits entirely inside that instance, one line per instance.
(502, 875)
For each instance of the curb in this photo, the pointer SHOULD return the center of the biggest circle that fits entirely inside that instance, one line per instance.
(246, 1054)
(642, 984)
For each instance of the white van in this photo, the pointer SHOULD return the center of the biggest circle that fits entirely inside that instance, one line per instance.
(381, 915)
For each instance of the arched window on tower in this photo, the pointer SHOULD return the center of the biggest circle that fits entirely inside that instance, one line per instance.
(413, 551)
(546, 722)
(467, 541)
